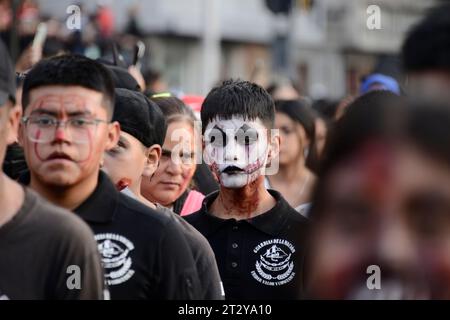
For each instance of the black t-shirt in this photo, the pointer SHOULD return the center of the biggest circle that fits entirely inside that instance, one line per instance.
(205, 261)
(258, 258)
(144, 253)
(47, 252)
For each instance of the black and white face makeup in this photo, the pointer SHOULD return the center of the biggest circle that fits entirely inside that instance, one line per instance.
(236, 150)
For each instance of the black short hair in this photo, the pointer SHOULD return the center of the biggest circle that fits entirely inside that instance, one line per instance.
(238, 98)
(427, 45)
(70, 70)
(300, 112)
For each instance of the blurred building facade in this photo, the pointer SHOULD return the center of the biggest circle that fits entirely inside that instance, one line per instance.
(196, 43)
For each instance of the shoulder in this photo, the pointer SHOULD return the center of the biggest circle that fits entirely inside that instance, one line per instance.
(132, 209)
(55, 223)
(196, 240)
(193, 218)
(146, 223)
(289, 212)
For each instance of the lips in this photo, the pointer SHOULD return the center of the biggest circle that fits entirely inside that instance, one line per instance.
(59, 156)
(170, 183)
(232, 170)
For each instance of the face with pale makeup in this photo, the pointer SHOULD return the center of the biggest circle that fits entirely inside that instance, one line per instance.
(116, 165)
(69, 152)
(237, 150)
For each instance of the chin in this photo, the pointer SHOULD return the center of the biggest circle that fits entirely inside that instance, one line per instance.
(56, 179)
(234, 182)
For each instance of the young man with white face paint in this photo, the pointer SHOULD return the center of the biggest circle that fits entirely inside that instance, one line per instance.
(258, 239)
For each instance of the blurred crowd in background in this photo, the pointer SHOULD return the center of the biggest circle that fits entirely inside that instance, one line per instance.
(362, 111)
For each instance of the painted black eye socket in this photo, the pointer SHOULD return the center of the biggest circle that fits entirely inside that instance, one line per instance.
(216, 138)
(248, 137)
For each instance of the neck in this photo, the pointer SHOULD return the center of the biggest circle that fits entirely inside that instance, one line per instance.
(291, 172)
(69, 197)
(136, 189)
(11, 198)
(243, 203)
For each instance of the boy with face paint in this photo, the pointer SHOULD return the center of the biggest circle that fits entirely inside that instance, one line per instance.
(39, 242)
(258, 239)
(143, 128)
(68, 103)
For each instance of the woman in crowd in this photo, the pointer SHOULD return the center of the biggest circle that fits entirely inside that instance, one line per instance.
(170, 184)
(298, 153)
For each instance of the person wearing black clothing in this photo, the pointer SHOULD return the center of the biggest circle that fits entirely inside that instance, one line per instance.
(46, 252)
(143, 129)
(144, 253)
(260, 257)
(65, 131)
(257, 238)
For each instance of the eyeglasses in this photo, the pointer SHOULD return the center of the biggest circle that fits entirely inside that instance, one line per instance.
(42, 129)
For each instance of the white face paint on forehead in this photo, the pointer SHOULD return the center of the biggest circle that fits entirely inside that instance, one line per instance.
(236, 150)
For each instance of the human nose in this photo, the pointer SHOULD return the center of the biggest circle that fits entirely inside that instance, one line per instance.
(231, 152)
(60, 131)
(174, 167)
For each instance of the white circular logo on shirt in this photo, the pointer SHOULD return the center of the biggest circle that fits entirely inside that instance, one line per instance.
(114, 250)
(274, 266)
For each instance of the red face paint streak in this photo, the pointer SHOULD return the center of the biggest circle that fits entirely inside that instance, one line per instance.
(35, 146)
(80, 161)
(375, 159)
(215, 170)
(123, 183)
(90, 145)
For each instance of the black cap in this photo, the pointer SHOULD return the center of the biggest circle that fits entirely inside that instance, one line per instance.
(7, 77)
(120, 75)
(139, 117)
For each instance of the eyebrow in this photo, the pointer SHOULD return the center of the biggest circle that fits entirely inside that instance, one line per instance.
(167, 152)
(55, 113)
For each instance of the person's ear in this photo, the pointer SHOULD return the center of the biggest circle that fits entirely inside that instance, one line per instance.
(153, 156)
(14, 116)
(272, 162)
(113, 135)
(274, 146)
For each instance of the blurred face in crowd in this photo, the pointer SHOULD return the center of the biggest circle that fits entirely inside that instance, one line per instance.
(64, 133)
(293, 139)
(237, 150)
(125, 163)
(176, 167)
(9, 122)
(388, 206)
(430, 85)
